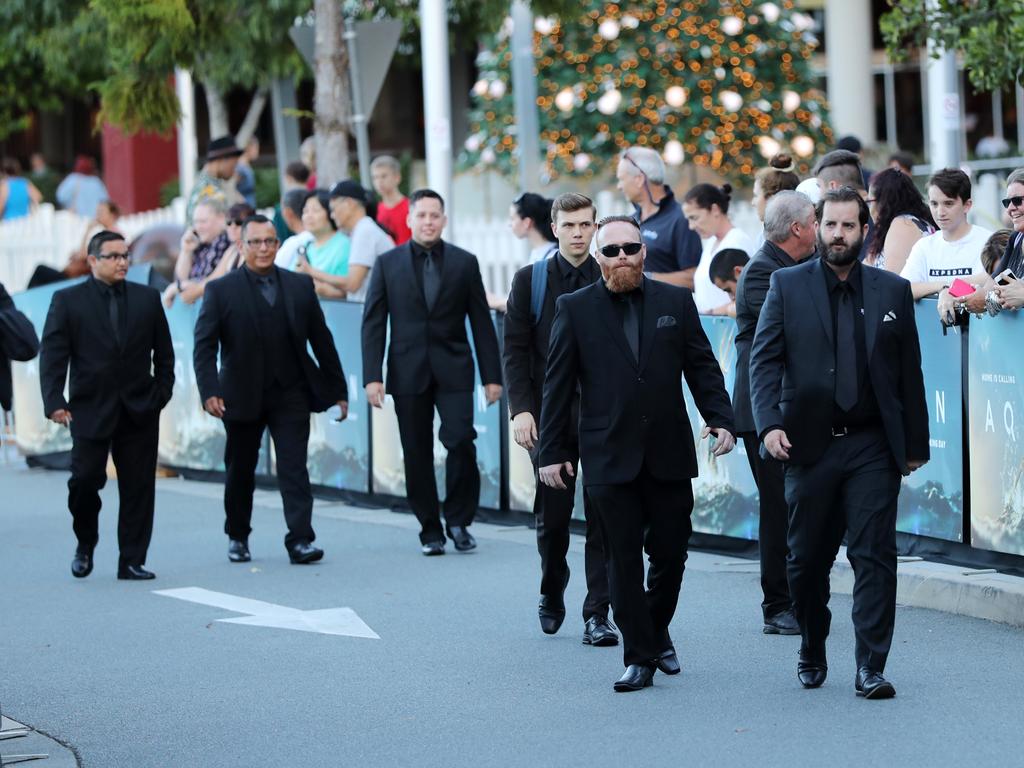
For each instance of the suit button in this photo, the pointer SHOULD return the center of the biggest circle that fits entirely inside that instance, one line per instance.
(643, 419)
(640, 380)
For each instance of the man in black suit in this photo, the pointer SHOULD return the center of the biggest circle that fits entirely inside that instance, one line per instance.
(626, 343)
(427, 288)
(18, 341)
(838, 395)
(115, 336)
(790, 229)
(525, 356)
(262, 318)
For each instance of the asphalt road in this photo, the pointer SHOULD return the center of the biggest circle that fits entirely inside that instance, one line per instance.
(461, 674)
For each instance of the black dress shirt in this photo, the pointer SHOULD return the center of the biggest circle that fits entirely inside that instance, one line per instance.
(115, 292)
(265, 285)
(574, 278)
(865, 413)
(630, 306)
(419, 254)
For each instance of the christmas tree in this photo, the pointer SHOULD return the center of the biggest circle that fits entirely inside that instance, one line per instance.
(719, 84)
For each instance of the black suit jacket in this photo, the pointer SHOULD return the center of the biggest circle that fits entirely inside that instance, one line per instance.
(138, 374)
(428, 346)
(228, 320)
(751, 289)
(18, 341)
(525, 351)
(632, 413)
(792, 362)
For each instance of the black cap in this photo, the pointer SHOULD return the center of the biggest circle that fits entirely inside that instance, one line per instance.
(349, 188)
(223, 147)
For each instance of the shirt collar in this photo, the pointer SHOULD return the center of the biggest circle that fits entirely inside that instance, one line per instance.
(832, 280)
(419, 250)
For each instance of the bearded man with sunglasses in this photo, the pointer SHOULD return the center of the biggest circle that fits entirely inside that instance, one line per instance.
(115, 337)
(626, 343)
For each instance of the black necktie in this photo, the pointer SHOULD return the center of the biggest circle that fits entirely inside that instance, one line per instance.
(115, 313)
(846, 350)
(631, 322)
(431, 280)
(267, 289)
(576, 280)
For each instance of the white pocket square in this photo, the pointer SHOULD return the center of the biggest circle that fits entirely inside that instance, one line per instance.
(889, 317)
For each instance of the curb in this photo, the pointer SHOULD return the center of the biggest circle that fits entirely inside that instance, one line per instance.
(33, 747)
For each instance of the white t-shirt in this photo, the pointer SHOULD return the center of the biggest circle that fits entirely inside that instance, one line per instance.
(289, 250)
(706, 295)
(934, 259)
(368, 242)
(542, 252)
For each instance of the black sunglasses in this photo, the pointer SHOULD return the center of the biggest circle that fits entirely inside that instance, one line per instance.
(1015, 201)
(630, 249)
(236, 222)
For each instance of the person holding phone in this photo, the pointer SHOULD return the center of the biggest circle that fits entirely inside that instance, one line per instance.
(1011, 294)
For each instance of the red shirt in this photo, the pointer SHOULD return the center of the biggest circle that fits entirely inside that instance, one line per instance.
(395, 220)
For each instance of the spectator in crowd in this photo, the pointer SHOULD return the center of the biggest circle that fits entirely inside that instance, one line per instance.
(853, 144)
(296, 175)
(1011, 296)
(726, 268)
(43, 176)
(232, 259)
(307, 155)
(246, 183)
(202, 248)
(350, 210)
(901, 219)
(810, 189)
(839, 168)
(18, 195)
(954, 251)
(673, 249)
(992, 253)
(298, 238)
(216, 177)
(393, 208)
(529, 218)
(901, 161)
(329, 250)
(107, 214)
(82, 190)
(778, 175)
(706, 208)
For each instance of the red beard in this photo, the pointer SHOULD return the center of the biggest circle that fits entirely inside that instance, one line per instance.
(623, 279)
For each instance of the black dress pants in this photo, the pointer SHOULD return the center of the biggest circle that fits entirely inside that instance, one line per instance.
(462, 476)
(772, 527)
(287, 415)
(552, 509)
(653, 516)
(133, 446)
(851, 489)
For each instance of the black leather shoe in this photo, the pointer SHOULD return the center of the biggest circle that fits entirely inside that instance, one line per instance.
(238, 551)
(433, 548)
(551, 612)
(81, 566)
(668, 662)
(636, 677)
(871, 685)
(811, 669)
(463, 539)
(303, 553)
(782, 623)
(599, 631)
(134, 573)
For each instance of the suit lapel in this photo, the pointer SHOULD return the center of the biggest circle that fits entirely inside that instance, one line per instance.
(607, 310)
(819, 297)
(869, 280)
(648, 323)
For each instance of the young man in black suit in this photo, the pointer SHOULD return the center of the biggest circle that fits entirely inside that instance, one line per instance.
(525, 356)
(114, 334)
(18, 341)
(427, 288)
(790, 228)
(838, 395)
(261, 318)
(626, 343)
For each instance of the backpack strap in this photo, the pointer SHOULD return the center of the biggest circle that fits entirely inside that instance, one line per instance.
(538, 288)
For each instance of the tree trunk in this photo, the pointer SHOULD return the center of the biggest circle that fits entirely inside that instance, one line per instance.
(252, 117)
(331, 97)
(217, 109)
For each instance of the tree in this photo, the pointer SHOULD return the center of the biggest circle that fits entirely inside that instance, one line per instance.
(719, 83)
(988, 34)
(331, 96)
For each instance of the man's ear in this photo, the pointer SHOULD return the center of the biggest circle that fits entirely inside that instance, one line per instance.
(736, 272)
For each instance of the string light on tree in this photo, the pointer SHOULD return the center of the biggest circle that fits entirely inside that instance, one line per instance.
(790, 101)
(581, 162)
(609, 102)
(731, 100)
(609, 29)
(674, 154)
(803, 146)
(770, 12)
(565, 100)
(544, 25)
(675, 96)
(768, 146)
(732, 25)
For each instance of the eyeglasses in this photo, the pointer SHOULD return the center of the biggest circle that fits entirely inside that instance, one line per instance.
(236, 222)
(116, 256)
(1015, 201)
(630, 249)
(266, 242)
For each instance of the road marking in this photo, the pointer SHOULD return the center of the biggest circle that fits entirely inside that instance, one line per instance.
(325, 621)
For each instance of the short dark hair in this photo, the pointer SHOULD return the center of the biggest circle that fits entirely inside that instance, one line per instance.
(96, 242)
(952, 182)
(324, 198)
(618, 219)
(850, 144)
(258, 218)
(706, 195)
(992, 252)
(425, 194)
(842, 166)
(845, 195)
(902, 159)
(570, 202)
(294, 199)
(723, 263)
(298, 171)
(240, 211)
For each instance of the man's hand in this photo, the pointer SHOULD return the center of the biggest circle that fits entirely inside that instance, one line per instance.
(1011, 296)
(189, 241)
(524, 430)
(946, 307)
(914, 464)
(343, 407)
(726, 442)
(62, 417)
(778, 444)
(375, 393)
(215, 407)
(492, 392)
(551, 475)
(169, 293)
(192, 292)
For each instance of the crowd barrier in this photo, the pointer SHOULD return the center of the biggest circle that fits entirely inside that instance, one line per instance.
(971, 492)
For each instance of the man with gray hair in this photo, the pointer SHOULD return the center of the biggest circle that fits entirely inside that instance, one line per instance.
(673, 249)
(790, 227)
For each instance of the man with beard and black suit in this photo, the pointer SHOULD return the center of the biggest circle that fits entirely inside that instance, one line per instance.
(427, 289)
(261, 319)
(114, 334)
(531, 309)
(625, 343)
(838, 395)
(790, 233)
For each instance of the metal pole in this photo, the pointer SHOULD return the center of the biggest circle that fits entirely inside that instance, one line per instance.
(524, 90)
(286, 129)
(359, 117)
(997, 113)
(944, 122)
(188, 150)
(437, 98)
(889, 81)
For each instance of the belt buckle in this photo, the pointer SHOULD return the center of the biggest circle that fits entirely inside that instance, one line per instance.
(840, 432)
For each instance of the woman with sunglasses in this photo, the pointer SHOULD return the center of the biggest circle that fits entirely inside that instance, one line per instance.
(901, 219)
(1011, 295)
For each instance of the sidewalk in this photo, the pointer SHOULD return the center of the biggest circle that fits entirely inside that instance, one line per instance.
(33, 748)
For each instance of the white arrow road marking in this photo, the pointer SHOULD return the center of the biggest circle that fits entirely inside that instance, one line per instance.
(325, 621)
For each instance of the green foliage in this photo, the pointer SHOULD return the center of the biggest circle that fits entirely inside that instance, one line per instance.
(268, 186)
(989, 35)
(720, 85)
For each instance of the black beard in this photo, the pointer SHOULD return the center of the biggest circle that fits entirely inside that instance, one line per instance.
(840, 258)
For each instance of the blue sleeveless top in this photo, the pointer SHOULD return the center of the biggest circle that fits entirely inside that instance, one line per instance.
(18, 202)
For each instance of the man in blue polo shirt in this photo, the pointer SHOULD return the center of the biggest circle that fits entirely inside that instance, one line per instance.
(673, 249)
